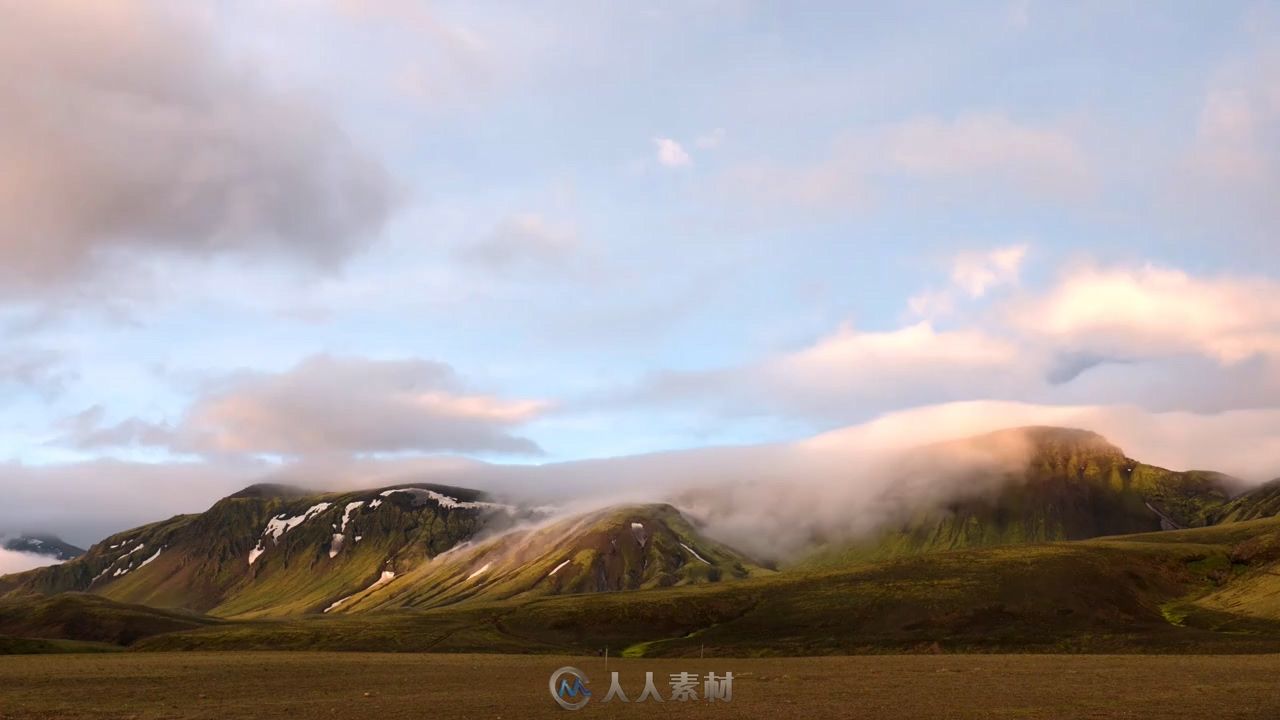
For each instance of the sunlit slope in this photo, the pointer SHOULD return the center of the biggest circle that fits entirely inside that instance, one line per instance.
(1071, 485)
(619, 548)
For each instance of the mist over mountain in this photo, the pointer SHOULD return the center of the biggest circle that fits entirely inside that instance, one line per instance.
(85, 502)
(276, 549)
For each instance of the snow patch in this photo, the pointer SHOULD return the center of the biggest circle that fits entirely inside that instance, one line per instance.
(386, 577)
(559, 567)
(148, 560)
(374, 505)
(122, 557)
(446, 501)
(282, 524)
(340, 538)
(346, 514)
(694, 553)
(638, 532)
(481, 571)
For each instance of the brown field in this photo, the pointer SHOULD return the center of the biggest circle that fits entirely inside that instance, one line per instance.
(231, 686)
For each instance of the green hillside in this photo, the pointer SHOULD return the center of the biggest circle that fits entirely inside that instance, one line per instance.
(1262, 501)
(621, 548)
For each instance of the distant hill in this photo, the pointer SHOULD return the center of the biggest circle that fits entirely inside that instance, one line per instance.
(1262, 501)
(1067, 485)
(49, 545)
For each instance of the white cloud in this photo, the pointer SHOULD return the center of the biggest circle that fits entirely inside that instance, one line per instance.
(671, 153)
(1156, 338)
(12, 561)
(973, 274)
(851, 373)
(1155, 311)
(976, 273)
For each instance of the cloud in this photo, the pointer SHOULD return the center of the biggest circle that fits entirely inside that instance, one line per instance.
(768, 499)
(1153, 337)
(671, 153)
(851, 373)
(1155, 311)
(972, 153)
(1233, 166)
(330, 406)
(973, 274)
(711, 140)
(12, 561)
(976, 273)
(128, 131)
(35, 369)
(525, 239)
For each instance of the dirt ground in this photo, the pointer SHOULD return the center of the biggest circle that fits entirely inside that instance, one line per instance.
(231, 686)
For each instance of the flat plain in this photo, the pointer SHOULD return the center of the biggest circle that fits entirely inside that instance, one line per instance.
(388, 686)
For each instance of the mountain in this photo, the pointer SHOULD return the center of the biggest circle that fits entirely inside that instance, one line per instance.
(1262, 501)
(1034, 484)
(1026, 538)
(271, 551)
(619, 548)
(49, 545)
(1161, 592)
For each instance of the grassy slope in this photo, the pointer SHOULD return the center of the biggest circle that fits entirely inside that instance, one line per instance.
(88, 618)
(598, 552)
(1144, 592)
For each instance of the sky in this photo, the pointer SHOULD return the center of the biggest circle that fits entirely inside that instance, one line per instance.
(336, 239)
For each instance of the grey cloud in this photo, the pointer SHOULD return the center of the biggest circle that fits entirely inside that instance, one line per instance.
(525, 240)
(127, 130)
(33, 369)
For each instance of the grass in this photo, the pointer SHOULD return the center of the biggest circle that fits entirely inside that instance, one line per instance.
(215, 686)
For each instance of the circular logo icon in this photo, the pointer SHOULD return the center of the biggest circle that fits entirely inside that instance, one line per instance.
(569, 688)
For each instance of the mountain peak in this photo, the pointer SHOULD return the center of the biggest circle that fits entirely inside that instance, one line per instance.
(49, 545)
(270, 490)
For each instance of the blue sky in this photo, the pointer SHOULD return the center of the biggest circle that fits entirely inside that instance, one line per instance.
(309, 230)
